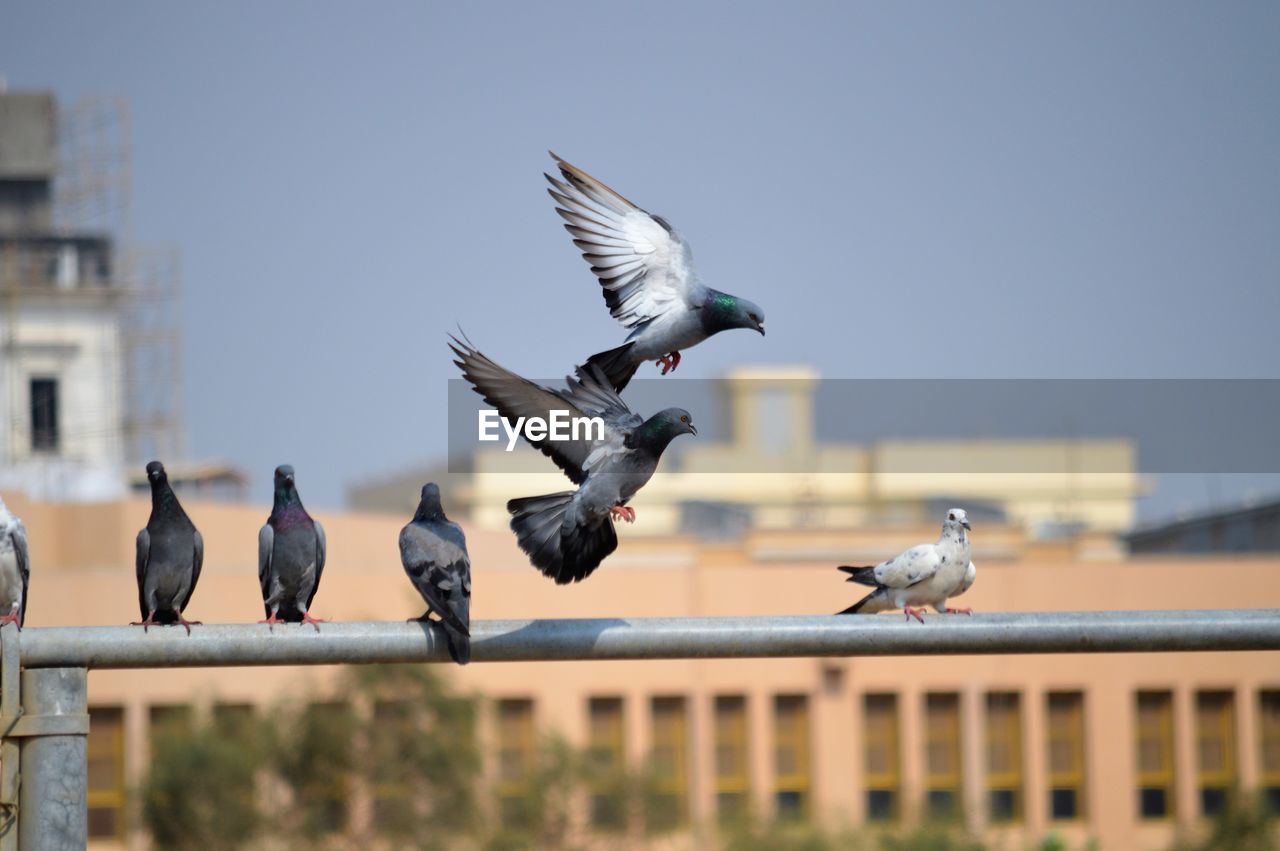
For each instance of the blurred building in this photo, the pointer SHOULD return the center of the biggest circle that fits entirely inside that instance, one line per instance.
(1122, 749)
(89, 354)
(1248, 529)
(770, 471)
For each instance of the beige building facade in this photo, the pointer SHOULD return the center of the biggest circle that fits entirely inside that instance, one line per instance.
(1123, 749)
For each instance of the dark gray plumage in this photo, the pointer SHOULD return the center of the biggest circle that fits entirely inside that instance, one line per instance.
(15, 568)
(434, 553)
(170, 555)
(646, 271)
(567, 534)
(291, 556)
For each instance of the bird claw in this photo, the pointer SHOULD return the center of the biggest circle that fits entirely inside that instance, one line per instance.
(912, 612)
(12, 618)
(188, 624)
(623, 512)
(668, 362)
(306, 618)
(959, 612)
(271, 622)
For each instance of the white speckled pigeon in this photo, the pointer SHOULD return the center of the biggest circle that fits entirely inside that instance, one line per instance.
(646, 270)
(434, 553)
(291, 555)
(170, 554)
(15, 568)
(925, 575)
(566, 535)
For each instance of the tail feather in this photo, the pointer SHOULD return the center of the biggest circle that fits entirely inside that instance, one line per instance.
(564, 554)
(618, 364)
(858, 606)
(459, 644)
(862, 575)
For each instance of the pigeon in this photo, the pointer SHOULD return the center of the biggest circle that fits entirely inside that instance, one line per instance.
(170, 554)
(925, 575)
(291, 552)
(15, 568)
(434, 553)
(646, 270)
(567, 534)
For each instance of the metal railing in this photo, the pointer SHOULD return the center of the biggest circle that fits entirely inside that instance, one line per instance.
(45, 718)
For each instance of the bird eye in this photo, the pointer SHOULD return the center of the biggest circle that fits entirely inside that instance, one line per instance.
(753, 317)
(684, 419)
(951, 517)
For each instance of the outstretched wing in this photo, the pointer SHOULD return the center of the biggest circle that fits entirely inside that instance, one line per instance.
(644, 266)
(321, 553)
(18, 535)
(141, 559)
(589, 395)
(266, 541)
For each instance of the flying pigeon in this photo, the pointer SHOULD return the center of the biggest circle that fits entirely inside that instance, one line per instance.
(925, 575)
(15, 568)
(434, 553)
(647, 273)
(170, 554)
(291, 552)
(566, 535)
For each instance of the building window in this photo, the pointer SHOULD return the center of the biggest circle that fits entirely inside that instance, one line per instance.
(669, 762)
(1154, 734)
(1004, 756)
(942, 756)
(1269, 736)
(392, 799)
(608, 763)
(44, 415)
(1066, 754)
(517, 756)
(881, 756)
(106, 772)
(170, 723)
(733, 766)
(323, 795)
(791, 755)
(1216, 749)
(234, 720)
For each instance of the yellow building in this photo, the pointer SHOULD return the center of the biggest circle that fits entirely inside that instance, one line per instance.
(1122, 748)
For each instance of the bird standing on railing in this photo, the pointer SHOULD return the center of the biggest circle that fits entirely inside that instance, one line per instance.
(647, 273)
(170, 554)
(567, 534)
(291, 555)
(433, 551)
(15, 567)
(925, 575)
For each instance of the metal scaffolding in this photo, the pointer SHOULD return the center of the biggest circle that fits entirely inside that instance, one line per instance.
(43, 671)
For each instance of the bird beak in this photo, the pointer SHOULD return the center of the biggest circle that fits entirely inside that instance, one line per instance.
(693, 430)
(760, 328)
(288, 479)
(965, 524)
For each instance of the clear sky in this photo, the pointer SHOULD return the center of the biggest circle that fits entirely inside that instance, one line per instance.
(1080, 189)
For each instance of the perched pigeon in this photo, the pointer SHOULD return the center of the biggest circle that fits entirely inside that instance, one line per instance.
(170, 554)
(15, 568)
(922, 576)
(434, 553)
(566, 535)
(291, 551)
(647, 273)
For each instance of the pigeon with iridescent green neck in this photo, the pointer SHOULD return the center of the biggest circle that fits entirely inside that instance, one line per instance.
(567, 534)
(291, 556)
(646, 270)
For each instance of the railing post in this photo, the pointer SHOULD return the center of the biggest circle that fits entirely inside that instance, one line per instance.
(53, 803)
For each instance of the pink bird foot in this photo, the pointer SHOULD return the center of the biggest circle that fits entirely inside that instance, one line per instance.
(668, 362)
(272, 621)
(306, 618)
(912, 612)
(12, 618)
(958, 612)
(622, 512)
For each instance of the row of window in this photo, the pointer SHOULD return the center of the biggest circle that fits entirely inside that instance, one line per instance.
(669, 760)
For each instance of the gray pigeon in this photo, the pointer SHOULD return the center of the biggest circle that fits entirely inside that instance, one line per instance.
(925, 575)
(291, 554)
(15, 568)
(170, 554)
(647, 273)
(434, 553)
(566, 535)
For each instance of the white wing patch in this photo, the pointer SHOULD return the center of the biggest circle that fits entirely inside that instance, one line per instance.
(915, 565)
